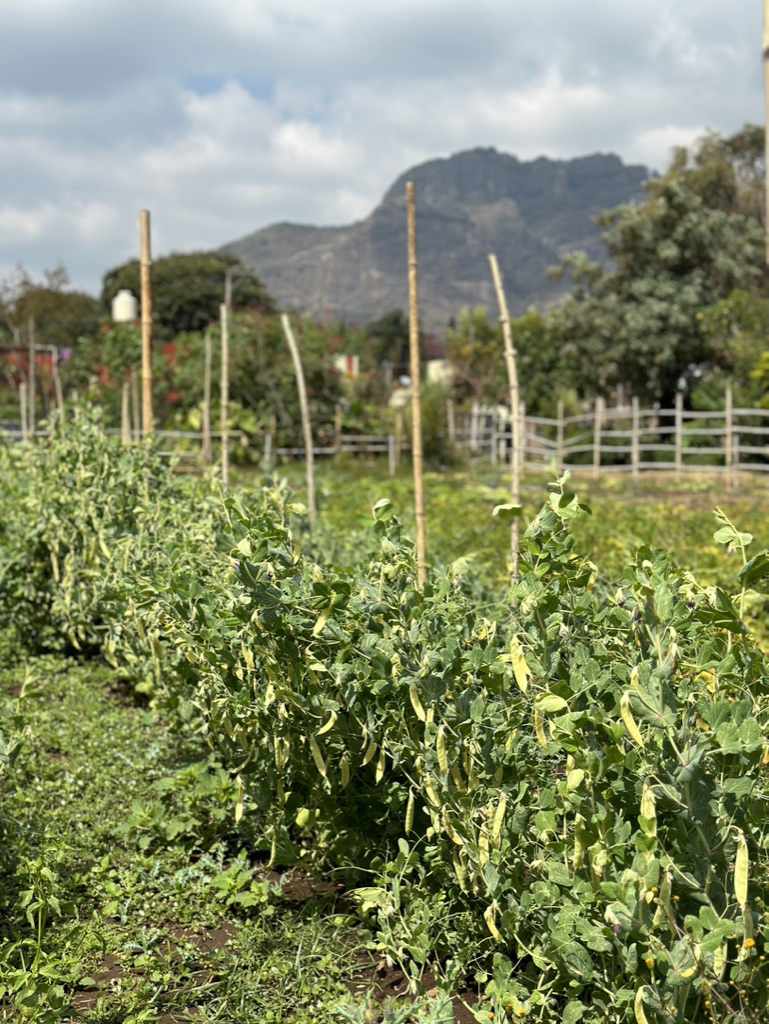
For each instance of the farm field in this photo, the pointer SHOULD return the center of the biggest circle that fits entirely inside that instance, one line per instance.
(658, 511)
(253, 774)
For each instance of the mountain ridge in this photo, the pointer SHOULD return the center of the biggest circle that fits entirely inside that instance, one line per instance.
(531, 213)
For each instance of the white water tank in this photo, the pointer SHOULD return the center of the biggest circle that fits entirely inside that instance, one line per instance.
(125, 308)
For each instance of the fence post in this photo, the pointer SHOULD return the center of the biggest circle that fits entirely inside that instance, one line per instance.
(597, 426)
(493, 447)
(450, 421)
(635, 438)
(679, 434)
(559, 438)
(135, 405)
(728, 437)
(474, 427)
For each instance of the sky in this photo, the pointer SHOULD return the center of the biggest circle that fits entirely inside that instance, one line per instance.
(223, 116)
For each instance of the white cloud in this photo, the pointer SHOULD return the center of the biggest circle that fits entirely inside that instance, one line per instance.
(222, 118)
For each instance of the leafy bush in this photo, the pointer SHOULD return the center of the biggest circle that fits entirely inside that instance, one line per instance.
(568, 799)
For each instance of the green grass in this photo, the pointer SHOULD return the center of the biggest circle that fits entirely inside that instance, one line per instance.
(142, 925)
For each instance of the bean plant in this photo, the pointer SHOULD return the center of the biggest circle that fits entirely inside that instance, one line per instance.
(559, 790)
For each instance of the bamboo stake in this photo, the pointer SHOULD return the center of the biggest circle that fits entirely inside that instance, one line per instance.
(451, 421)
(523, 435)
(516, 457)
(23, 410)
(597, 426)
(338, 429)
(267, 457)
(766, 125)
(494, 446)
(57, 388)
(206, 424)
(635, 438)
(135, 406)
(125, 415)
(559, 438)
(679, 434)
(474, 413)
(145, 262)
(309, 454)
(392, 458)
(224, 398)
(398, 437)
(416, 393)
(32, 356)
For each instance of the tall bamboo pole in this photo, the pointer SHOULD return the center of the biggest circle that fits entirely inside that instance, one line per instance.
(32, 357)
(635, 439)
(206, 424)
(766, 125)
(309, 454)
(416, 391)
(224, 398)
(145, 262)
(515, 411)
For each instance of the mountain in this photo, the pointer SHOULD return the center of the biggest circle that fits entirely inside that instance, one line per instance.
(479, 201)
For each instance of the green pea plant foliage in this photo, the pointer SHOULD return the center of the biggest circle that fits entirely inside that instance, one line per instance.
(558, 793)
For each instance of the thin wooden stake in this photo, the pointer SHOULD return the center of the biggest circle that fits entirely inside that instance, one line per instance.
(635, 439)
(145, 262)
(766, 126)
(57, 388)
(474, 414)
(523, 435)
(136, 419)
(559, 438)
(224, 398)
(125, 415)
(728, 437)
(679, 435)
(398, 437)
(392, 459)
(32, 356)
(451, 421)
(23, 410)
(597, 427)
(416, 392)
(208, 454)
(309, 453)
(338, 429)
(517, 455)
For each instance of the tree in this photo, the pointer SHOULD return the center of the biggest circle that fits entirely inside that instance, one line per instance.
(694, 239)
(389, 340)
(61, 314)
(188, 289)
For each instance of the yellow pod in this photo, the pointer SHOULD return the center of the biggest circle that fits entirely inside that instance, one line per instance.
(416, 702)
(317, 756)
(741, 871)
(499, 817)
(629, 722)
(440, 746)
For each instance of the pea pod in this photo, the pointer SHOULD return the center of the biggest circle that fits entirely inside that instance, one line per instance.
(440, 746)
(629, 722)
(741, 870)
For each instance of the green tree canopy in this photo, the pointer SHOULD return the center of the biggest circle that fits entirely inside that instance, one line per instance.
(61, 315)
(695, 238)
(188, 289)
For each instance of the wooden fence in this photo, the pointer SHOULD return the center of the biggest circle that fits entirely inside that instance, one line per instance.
(627, 439)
